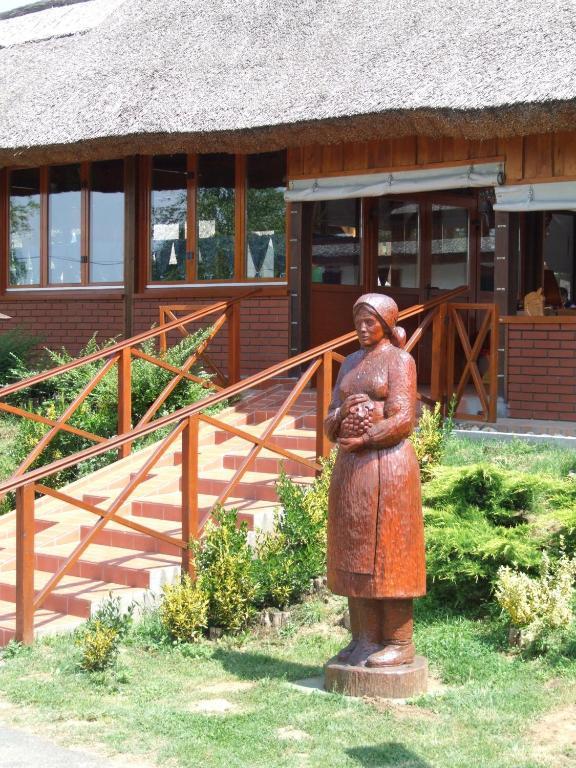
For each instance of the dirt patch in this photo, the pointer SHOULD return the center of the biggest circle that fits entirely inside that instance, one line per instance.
(553, 737)
(228, 686)
(291, 734)
(213, 706)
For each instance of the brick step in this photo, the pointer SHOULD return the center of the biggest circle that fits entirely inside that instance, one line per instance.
(46, 622)
(288, 423)
(260, 486)
(147, 570)
(74, 595)
(269, 462)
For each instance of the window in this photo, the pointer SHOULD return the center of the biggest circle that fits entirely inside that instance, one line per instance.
(217, 218)
(398, 244)
(66, 225)
(215, 214)
(336, 242)
(169, 207)
(450, 252)
(266, 216)
(24, 226)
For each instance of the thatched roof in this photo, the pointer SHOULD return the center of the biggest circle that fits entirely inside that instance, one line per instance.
(207, 75)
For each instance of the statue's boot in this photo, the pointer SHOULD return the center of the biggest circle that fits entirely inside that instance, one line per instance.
(354, 608)
(396, 635)
(363, 651)
(344, 654)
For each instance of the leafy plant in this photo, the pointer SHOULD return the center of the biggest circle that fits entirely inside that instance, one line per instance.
(16, 347)
(538, 605)
(110, 614)
(295, 551)
(224, 569)
(430, 437)
(99, 644)
(184, 610)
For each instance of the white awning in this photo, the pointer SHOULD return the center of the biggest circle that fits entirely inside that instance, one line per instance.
(556, 196)
(397, 183)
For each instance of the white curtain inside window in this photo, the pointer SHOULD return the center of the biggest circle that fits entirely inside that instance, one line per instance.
(397, 183)
(555, 196)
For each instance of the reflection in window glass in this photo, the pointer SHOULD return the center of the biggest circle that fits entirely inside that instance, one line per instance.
(487, 244)
(168, 213)
(398, 244)
(107, 222)
(449, 246)
(266, 215)
(558, 255)
(64, 221)
(24, 227)
(336, 242)
(215, 216)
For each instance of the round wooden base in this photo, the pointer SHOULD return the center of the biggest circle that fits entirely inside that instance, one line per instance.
(399, 682)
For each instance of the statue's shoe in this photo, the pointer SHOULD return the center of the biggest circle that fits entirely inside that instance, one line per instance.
(344, 654)
(392, 655)
(362, 652)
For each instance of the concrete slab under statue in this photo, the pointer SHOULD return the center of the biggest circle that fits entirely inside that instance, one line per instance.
(375, 525)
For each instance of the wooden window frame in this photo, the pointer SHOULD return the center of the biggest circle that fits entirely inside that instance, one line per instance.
(85, 224)
(240, 231)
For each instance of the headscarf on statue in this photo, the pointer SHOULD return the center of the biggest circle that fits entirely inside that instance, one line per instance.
(386, 310)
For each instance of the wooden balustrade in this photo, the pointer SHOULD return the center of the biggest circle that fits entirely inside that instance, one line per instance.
(442, 317)
(121, 355)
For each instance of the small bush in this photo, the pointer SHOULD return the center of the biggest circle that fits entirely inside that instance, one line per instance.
(430, 437)
(110, 614)
(184, 610)
(225, 572)
(295, 551)
(16, 347)
(538, 605)
(99, 645)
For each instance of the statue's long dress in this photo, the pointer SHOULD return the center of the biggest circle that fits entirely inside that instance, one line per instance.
(375, 526)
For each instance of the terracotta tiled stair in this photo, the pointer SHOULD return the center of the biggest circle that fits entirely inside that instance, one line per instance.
(132, 565)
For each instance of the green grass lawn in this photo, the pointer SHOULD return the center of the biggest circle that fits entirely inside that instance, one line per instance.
(483, 711)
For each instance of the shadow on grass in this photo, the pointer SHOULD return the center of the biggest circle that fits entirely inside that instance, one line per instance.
(255, 666)
(390, 754)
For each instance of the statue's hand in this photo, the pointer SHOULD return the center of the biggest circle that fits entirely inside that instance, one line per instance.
(350, 402)
(351, 444)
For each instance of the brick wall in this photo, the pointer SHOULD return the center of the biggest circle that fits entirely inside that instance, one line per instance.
(68, 322)
(264, 328)
(541, 369)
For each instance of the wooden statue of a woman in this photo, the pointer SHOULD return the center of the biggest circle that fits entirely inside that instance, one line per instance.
(375, 527)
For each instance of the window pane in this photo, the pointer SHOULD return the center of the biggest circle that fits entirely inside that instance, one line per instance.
(398, 244)
(559, 256)
(266, 215)
(336, 242)
(449, 246)
(215, 216)
(107, 222)
(25, 227)
(64, 207)
(487, 245)
(168, 209)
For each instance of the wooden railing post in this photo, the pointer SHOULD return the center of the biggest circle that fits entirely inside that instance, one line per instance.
(438, 372)
(162, 342)
(233, 314)
(323, 397)
(493, 364)
(25, 563)
(125, 399)
(190, 517)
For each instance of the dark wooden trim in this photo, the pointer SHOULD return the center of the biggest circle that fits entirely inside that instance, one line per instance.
(144, 179)
(211, 291)
(192, 219)
(538, 320)
(298, 322)
(240, 216)
(4, 230)
(130, 241)
(21, 294)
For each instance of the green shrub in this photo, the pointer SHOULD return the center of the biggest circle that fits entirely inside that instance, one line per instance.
(99, 645)
(224, 570)
(98, 414)
(430, 437)
(184, 610)
(110, 614)
(295, 551)
(538, 605)
(16, 348)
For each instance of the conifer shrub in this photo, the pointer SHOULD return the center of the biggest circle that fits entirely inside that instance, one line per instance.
(184, 610)
(224, 567)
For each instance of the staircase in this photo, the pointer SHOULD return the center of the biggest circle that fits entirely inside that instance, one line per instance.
(132, 565)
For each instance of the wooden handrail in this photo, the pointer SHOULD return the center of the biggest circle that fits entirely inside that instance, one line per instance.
(233, 390)
(200, 314)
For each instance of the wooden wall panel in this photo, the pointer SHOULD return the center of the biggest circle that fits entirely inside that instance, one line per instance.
(528, 158)
(538, 156)
(564, 154)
